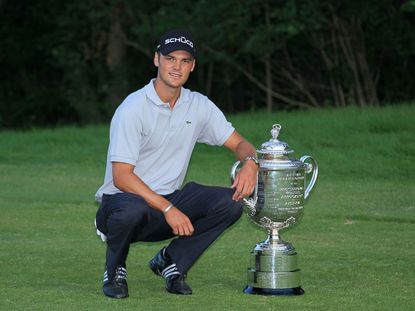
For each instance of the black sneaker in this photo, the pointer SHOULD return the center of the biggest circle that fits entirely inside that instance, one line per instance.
(162, 265)
(176, 284)
(118, 287)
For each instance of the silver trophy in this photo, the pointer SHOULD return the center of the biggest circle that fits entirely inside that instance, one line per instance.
(277, 203)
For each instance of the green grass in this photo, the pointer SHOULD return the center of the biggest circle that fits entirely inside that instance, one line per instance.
(355, 242)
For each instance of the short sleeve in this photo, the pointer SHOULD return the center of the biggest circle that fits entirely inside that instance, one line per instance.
(216, 128)
(125, 137)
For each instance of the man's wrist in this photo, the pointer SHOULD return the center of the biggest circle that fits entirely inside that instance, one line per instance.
(253, 159)
(169, 207)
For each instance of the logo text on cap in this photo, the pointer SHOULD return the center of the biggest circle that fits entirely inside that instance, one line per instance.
(181, 39)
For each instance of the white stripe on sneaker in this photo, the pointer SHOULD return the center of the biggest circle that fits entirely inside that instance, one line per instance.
(170, 270)
(120, 273)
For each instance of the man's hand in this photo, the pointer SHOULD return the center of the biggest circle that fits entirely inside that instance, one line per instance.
(245, 182)
(179, 222)
(127, 181)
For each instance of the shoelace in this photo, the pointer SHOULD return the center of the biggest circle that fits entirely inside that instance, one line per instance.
(120, 274)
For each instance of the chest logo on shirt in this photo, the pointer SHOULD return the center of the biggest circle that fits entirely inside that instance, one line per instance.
(188, 122)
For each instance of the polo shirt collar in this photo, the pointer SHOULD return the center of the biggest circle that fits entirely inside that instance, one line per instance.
(154, 97)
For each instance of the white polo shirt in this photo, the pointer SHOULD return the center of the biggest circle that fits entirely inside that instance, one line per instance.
(158, 141)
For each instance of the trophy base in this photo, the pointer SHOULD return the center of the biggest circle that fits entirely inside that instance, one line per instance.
(274, 270)
(274, 291)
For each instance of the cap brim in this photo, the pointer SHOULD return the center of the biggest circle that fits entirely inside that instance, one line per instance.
(179, 47)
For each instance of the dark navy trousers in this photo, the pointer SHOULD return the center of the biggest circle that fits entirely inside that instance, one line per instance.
(126, 218)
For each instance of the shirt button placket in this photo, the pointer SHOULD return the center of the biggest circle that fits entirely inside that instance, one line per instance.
(172, 123)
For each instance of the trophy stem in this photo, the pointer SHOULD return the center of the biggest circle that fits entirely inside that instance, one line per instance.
(274, 236)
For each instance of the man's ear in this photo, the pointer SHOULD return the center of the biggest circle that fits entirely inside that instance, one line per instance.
(194, 64)
(156, 59)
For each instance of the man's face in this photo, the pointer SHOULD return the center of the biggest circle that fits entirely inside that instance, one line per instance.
(174, 68)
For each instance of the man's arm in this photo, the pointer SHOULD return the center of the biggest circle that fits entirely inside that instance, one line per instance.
(245, 181)
(127, 181)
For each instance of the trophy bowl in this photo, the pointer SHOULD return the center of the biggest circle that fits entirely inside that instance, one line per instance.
(276, 204)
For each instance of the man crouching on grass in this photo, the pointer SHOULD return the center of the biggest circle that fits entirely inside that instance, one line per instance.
(152, 136)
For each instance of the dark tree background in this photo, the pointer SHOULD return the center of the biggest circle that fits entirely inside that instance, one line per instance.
(74, 62)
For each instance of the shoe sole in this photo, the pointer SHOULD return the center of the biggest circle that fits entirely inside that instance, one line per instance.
(116, 297)
(178, 293)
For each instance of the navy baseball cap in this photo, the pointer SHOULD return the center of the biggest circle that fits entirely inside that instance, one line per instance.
(174, 40)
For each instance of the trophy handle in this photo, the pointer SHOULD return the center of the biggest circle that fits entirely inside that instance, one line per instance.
(310, 167)
(251, 201)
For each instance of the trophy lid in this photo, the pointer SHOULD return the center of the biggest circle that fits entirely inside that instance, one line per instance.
(275, 146)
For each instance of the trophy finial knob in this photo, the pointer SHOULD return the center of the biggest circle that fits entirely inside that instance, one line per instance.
(275, 131)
